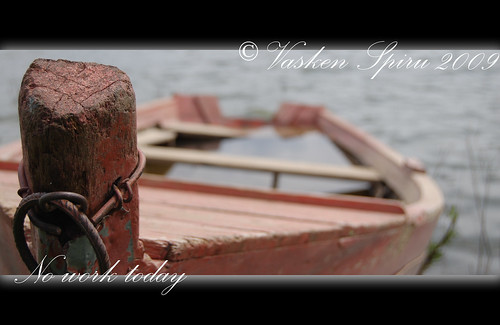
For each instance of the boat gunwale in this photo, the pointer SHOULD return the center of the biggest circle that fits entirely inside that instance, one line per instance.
(420, 194)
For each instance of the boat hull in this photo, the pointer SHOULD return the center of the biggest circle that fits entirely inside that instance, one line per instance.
(208, 229)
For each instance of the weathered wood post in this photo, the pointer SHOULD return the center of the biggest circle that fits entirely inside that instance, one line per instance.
(78, 131)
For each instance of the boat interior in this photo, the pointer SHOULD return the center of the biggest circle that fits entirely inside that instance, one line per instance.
(283, 153)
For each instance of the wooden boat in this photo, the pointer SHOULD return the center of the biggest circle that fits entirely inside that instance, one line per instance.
(203, 228)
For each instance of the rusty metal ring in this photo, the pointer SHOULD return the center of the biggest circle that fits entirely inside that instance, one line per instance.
(26, 204)
(46, 200)
(83, 222)
(119, 197)
(86, 225)
(45, 226)
(128, 189)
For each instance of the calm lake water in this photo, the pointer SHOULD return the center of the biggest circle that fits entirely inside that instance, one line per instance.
(447, 118)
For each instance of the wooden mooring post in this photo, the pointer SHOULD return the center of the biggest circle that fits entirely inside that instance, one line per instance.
(79, 138)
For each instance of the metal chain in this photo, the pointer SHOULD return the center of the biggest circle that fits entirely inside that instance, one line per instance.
(75, 206)
(116, 200)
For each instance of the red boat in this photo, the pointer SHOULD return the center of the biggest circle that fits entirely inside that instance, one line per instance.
(202, 228)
